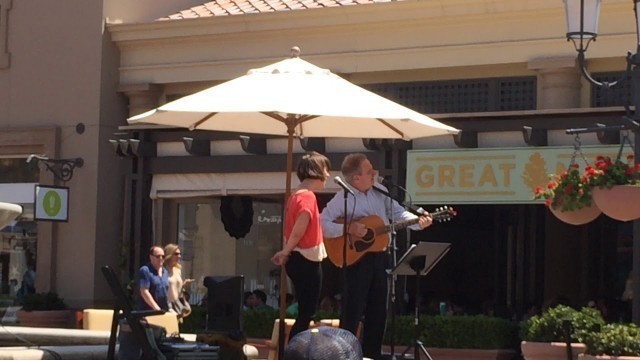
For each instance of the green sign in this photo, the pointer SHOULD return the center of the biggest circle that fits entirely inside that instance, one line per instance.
(491, 176)
(51, 203)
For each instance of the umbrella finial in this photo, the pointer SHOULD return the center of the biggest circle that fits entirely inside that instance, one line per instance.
(295, 52)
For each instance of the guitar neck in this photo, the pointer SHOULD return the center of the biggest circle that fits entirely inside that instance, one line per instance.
(436, 216)
(396, 226)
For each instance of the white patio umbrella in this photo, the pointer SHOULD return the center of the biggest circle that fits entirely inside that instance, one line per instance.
(8, 212)
(294, 98)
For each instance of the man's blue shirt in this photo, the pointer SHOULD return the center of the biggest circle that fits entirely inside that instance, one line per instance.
(158, 286)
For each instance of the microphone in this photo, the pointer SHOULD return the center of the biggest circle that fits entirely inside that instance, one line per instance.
(346, 188)
(384, 181)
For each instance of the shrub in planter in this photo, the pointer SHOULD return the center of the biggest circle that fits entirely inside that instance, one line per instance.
(548, 327)
(614, 339)
(45, 310)
(196, 321)
(43, 301)
(259, 323)
(457, 332)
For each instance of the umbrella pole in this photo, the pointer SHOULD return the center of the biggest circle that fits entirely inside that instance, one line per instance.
(283, 272)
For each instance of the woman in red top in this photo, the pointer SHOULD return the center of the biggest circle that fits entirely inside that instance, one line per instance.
(304, 249)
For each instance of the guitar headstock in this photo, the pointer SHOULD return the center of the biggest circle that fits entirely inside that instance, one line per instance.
(443, 213)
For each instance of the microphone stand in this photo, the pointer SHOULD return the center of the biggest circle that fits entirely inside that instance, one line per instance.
(418, 211)
(392, 292)
(392, 252)
(345, 287)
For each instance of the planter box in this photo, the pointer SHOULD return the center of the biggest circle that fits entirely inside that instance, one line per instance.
(607, 357)
(48, 319)
(550, 351)
(457, 354)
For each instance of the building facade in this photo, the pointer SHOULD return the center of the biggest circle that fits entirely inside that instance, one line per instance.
(486, 67)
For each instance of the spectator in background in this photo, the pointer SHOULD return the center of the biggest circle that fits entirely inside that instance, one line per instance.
(260, 300)
(292, 305)
(13, 287)
(28, 285)
(153, 281)
(249, 300)
(178, 301)
(532, 310)
(329, 304)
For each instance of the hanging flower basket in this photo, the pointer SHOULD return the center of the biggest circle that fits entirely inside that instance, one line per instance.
(620, 202)
(576, 217)
(568, 196)
(616, 187)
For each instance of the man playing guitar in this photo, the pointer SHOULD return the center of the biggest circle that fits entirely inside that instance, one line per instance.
(366, 277)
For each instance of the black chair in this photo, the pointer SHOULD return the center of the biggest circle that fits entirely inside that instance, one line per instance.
(123, 309)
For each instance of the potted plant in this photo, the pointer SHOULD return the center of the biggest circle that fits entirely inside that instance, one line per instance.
(614, 341)
(45, 310)
(543, 336)
(568, 195)
(616, 183)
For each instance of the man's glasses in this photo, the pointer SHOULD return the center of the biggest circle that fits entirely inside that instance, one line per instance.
(158, 256)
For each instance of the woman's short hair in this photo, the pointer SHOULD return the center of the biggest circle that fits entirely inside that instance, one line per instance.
(312, 166)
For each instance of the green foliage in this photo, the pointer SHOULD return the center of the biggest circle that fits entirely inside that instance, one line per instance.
(324, 314)
(614, 339)
(458, 332)
(547, 327)
(608, 173)
(258, 323)
(196, 321)
(567, 191)
(43, 301)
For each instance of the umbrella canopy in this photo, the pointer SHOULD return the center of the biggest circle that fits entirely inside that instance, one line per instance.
(8, 212)
(294, 98)
(293, 92)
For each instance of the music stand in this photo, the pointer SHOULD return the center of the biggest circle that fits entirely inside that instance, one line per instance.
(418, 260)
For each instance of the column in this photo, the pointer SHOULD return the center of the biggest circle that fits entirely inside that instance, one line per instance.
(559, 82)
(142, 97)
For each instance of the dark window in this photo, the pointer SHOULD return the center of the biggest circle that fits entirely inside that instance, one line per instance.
(458, 96)
(17, 170)
(617, 95)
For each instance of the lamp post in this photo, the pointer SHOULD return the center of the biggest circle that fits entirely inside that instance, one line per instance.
(582, 28)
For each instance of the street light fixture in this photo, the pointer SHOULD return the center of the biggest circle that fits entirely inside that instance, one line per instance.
(582, 29)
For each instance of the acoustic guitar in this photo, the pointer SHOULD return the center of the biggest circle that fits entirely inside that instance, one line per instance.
(376, 238)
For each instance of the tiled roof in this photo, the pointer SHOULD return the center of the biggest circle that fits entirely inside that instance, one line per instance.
(239, 7)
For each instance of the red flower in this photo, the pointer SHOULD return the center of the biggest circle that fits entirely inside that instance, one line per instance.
(569, 190)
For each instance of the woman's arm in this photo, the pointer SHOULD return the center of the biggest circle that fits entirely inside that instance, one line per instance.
(299, 228)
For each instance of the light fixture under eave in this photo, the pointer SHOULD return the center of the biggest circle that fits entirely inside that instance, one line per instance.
(534, 136)
(117, 148)
(197, 147)
(253, 145)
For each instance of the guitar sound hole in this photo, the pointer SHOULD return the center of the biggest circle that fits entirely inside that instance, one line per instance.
(368, 236)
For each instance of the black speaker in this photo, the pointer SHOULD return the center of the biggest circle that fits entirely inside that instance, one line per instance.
(224, 303)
